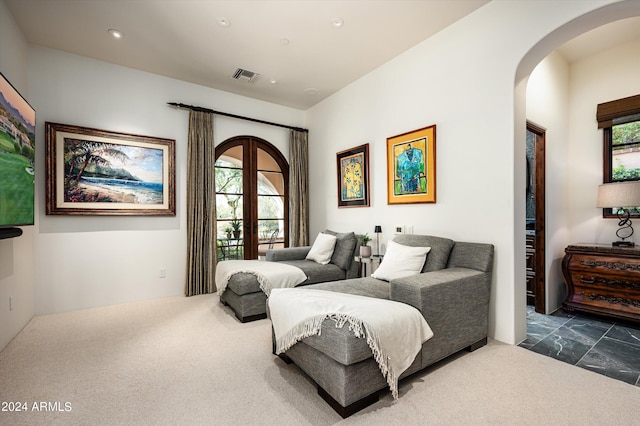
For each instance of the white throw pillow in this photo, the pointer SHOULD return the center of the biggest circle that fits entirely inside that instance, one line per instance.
(401, 261)
(322, 248)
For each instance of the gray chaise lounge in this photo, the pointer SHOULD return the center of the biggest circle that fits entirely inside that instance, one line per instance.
(452, 293)
(248, 302)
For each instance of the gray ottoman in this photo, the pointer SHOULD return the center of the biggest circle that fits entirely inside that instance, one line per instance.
(248, 301)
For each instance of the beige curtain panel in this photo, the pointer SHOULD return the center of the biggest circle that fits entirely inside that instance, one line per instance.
(298, 189)
(201, 205)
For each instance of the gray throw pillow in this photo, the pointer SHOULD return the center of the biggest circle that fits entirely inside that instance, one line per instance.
(343, 252)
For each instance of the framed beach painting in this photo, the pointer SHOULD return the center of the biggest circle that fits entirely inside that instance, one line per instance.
(98, 172)
(353, 177)
(411, 167)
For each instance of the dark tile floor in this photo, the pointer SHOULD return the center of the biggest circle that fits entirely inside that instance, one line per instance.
(594, 343)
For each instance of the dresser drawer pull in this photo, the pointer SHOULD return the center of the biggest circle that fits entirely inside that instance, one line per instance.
(590, 280)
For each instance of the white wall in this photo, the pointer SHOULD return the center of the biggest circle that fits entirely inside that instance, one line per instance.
(92, 261)
(548, 106)
(604, 77)
(463, 80)
(16, 254)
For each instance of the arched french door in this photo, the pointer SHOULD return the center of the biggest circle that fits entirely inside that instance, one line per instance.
(252, 202)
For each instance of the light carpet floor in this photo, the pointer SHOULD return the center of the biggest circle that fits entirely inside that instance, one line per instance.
(188, 361)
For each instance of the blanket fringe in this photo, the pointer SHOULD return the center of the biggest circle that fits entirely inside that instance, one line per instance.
(313, 327)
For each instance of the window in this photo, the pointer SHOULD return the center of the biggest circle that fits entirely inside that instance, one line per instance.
(623, 148)
(620, 121)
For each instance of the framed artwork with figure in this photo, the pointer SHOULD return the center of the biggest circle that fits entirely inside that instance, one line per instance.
(411, 167)
(353, 177)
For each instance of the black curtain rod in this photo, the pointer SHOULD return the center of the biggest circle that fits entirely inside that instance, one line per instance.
(226, 114)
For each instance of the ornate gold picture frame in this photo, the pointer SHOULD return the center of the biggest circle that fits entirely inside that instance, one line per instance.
(98, 172)
(411, 167)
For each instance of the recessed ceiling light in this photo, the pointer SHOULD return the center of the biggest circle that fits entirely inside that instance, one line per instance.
(337, 22)
(273, 81)
(223, 22)
(311, 91)
(284, 41)
(117, 34)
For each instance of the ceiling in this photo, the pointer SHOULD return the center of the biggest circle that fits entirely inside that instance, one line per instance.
(301, 51)
(601, 38)
(183, 39)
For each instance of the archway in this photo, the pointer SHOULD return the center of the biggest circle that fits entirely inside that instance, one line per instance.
(536, 54)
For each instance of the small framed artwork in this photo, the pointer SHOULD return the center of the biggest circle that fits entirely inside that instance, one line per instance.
(353, 177)
(98, 172)
(411, 167)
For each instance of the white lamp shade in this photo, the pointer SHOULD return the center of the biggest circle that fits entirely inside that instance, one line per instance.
(619, 194)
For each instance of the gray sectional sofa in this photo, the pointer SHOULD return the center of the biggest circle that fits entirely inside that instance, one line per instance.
(248, 301)
(452, 293)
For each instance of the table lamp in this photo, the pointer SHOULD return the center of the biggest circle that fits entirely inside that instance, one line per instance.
(621, 196)
(378, 230)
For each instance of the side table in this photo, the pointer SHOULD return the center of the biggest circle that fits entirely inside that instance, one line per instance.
(364, 261)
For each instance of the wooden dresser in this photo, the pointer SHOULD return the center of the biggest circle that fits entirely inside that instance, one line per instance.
(603, 280)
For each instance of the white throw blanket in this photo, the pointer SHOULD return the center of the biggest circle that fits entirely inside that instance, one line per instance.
(394, 331)
(269, 274)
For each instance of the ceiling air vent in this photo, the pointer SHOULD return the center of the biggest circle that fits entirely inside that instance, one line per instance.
(246, 75)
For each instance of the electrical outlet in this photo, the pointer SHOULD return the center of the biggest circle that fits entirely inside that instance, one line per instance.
(163, 273)
(398, 229)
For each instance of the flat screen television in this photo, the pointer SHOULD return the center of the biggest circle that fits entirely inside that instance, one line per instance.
(17, 160)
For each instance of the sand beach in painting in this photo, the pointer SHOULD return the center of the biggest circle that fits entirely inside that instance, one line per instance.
(121, 191)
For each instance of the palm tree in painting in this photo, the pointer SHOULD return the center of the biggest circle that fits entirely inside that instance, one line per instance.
(79, 154)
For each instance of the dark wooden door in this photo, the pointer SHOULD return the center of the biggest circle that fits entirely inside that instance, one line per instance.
(535, 226)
